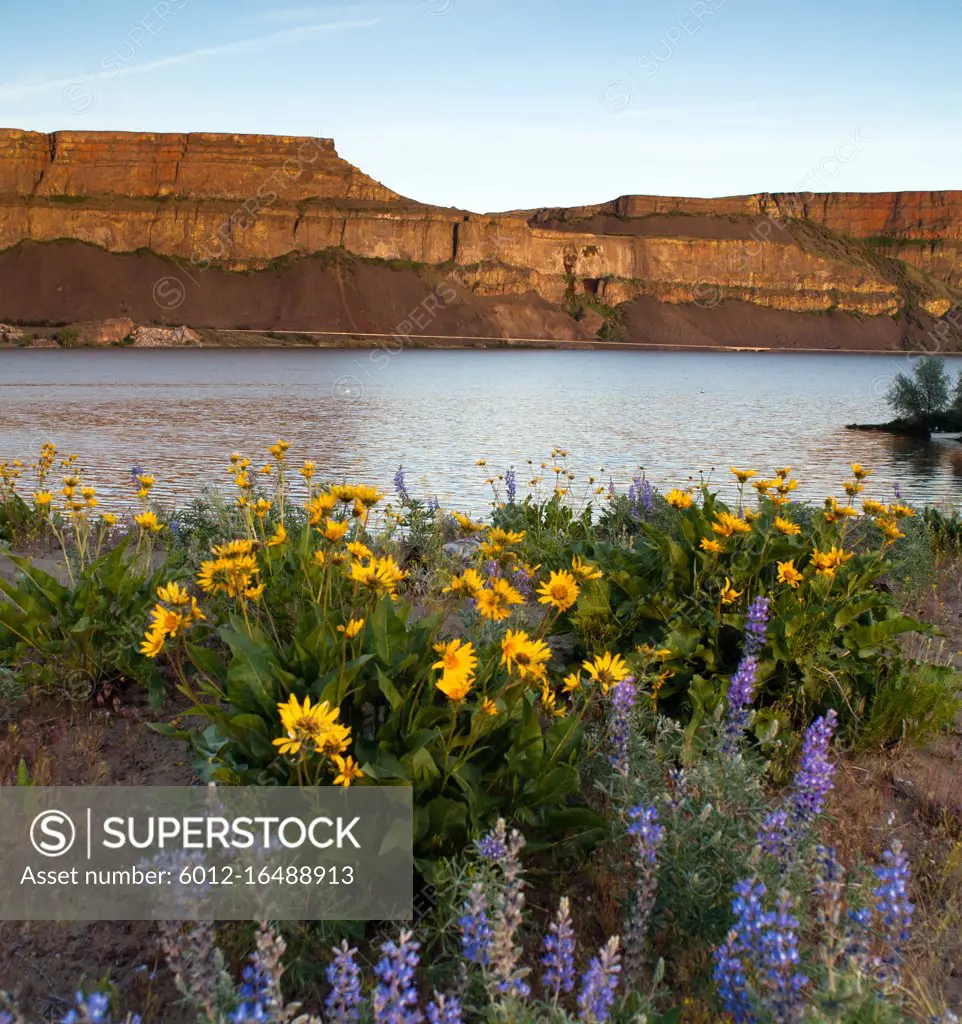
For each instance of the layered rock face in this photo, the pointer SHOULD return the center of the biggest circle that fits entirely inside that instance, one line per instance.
(241, 203)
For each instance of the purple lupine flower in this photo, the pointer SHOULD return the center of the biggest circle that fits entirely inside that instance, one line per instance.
(559, 953)
(678, 786)
(738, 960)
(756, 623)
(475, 928)
(253, 996)
(776, 836)
(395, 999)
(90, 1009)
(779, 964)
(135, 471)
(444, 1010)
(648, 835)
(511, 485)
(521, 580)
(741, 693)
(892, 905)
(505, 954)
(641, 498)
(344, 1000)
(599, 984)
(898, 491)
(741, 690)
(731, 984)
(623, 696)
(494, 845)
(492, 569)
(783, 828)
(814, 778)
(434, 505)
(399, 487)
(858, 937)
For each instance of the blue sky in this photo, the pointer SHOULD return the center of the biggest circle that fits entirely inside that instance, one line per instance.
(512, 104)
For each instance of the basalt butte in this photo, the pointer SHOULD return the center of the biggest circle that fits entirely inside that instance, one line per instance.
(279, 233)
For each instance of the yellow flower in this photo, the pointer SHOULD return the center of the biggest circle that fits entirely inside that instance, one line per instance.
(481, 462)
(489, 707)
(146, 481)
(678, 499)
(826, 562)
(233, 549)
(787, 527)
(359, 550)
(711, 546)
(584, 570)
(728, 593)
(173, 593)
(726, 524)
(494, 603)
(571, 682)
(280, 536)
(467, 524)
(366, 495)
(560, 591)
(502, 538)
(548, 700)
(743, 475)
(153, 643)
(335, 531)
(852, 487)
(279, 450)
(469, 583)
(109, 519)
(380, 575)
(783, 472)
(320, 558)
(353, 627)
(890, 528)
(231, 575)
(319, 507)
(148, 521)
(308, 469)
(42, 499)
(784, 486)
(762, 486)
(607, 669)
(347, 770)
(261, 507)
(874, 508)
(457, 658)
(313, 725)
(523, 656)
(455, 687)
(901, 511)
(787, 573)
(253, 593)
(859, 472)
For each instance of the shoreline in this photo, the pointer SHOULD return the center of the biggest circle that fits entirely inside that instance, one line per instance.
(337, 340)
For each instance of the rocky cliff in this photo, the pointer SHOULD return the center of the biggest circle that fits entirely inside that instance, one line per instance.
(278, 232)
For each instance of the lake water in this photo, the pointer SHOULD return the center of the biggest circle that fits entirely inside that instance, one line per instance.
(359, 414)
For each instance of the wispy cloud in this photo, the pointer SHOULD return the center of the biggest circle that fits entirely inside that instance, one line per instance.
(15, 91)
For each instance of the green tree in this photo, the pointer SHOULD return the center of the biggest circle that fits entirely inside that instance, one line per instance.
(923, 396)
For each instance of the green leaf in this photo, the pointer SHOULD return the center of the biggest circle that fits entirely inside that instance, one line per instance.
(386, 687)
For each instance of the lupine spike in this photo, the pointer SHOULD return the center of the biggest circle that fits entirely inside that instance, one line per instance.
(559, 953)
(600, 983)
(344, 1000)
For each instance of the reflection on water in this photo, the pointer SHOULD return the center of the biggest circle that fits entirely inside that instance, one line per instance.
(360, 414)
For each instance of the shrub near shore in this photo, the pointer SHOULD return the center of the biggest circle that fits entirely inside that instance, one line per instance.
(584, 669)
